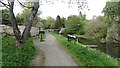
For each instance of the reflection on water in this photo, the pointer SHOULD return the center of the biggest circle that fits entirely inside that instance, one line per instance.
(110, 48)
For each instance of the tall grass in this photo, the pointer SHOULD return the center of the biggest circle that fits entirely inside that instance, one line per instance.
(0, 50)
(13, 56)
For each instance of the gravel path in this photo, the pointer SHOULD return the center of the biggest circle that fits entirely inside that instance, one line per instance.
(54, 54)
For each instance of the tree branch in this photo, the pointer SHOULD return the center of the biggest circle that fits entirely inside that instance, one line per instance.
(23, 5)
(8, 2)
(6, 5)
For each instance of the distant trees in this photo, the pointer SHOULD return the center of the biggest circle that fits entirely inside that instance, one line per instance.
(24, 15)
(49, 22)
(5, 17)
(58, 22)
(112, 11)
(63, 20)
(97, 27)
(20, 20)
(75, 25)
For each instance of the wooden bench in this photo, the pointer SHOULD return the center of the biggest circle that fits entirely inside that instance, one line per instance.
(72, 38)
(92, 46)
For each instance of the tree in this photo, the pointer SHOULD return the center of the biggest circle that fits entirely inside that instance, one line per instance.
(58, 23)
(50, 22)
(19, 19)
(25, 14)
(26, 32)
(50, 19)
(63, 21)
(23, 17)
(96, 28)
(74, 25)
(112, 11)
(5, 17)
(36, 20)
(44, 23)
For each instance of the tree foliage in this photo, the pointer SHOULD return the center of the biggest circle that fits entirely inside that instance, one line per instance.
(58, 22)
(19, 19)
(97, 27)
(112, 10)
(25, 14)
(49, 22)
(23, 17)
(74, 24)
(5, 17)
(63, 20)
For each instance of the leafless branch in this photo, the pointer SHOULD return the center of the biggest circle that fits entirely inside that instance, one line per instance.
(6, 5)
(8, 2)
(23, 5)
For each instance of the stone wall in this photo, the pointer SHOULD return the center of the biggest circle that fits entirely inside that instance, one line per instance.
(9, 30)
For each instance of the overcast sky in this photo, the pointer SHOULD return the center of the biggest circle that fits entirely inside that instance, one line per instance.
(96, 7)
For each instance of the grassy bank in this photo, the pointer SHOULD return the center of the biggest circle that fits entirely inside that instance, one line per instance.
(0, 51)
(12, 56)
(86, 56)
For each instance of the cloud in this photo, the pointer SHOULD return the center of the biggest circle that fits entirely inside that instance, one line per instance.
(62, 9)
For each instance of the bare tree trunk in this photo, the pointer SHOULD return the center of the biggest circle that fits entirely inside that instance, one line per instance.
(26, 32)
(14, 24)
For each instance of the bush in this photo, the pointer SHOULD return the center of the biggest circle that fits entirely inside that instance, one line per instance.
(13, 56)
(74, 25)
(97, 27)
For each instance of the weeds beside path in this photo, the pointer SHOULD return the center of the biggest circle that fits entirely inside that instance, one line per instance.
(39, 58)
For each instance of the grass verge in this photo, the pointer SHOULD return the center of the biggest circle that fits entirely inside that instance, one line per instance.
(0, 51)
(87, 56)
(42, 58)
(39, 53)
(13, 56)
